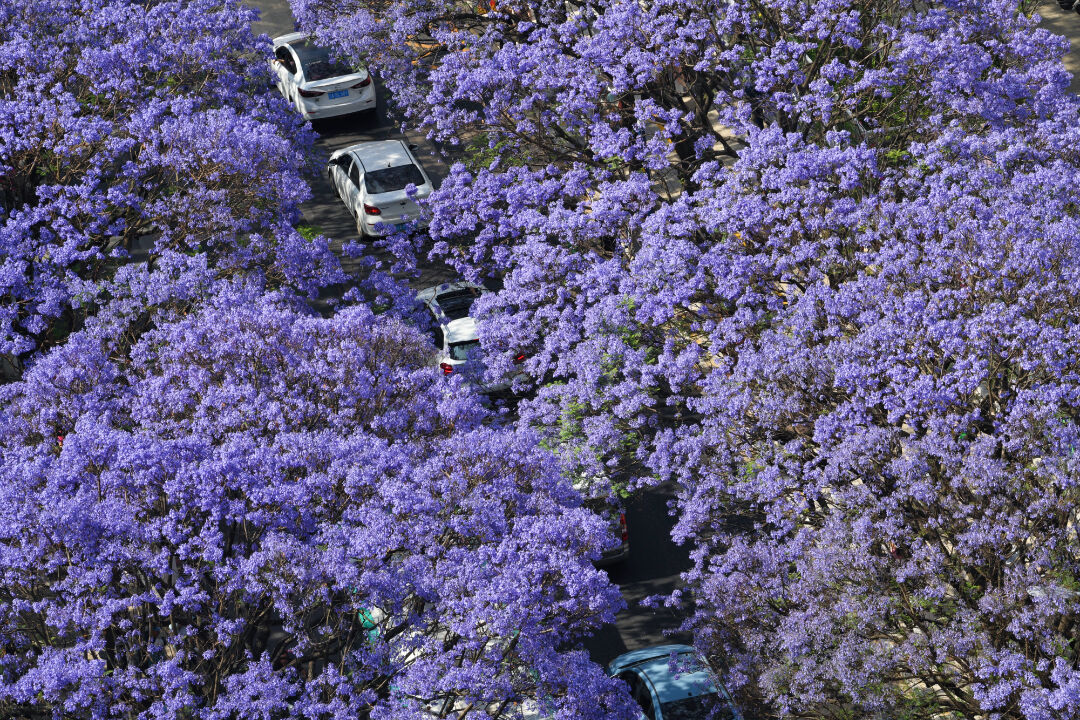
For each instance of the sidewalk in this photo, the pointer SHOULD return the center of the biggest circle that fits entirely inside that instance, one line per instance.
(1068, 24)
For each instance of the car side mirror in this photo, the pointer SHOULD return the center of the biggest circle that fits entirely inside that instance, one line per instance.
(413, 146)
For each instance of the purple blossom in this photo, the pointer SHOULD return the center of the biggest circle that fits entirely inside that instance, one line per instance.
(136, 129)
(814, 262)
(253, 512)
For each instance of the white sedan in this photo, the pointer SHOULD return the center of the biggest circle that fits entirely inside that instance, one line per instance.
(371, 177)
(319, 86)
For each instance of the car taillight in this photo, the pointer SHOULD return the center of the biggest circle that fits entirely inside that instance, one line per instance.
(371, 210)
(519, 358)
(363, 83)
(311, 93)
(446, 368)
(622, 526)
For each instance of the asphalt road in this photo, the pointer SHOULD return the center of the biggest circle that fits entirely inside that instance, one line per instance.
(655, 562)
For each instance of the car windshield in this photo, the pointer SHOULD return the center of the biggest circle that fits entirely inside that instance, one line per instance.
(455, 304)
(392, 179)
(709, 706)
(461, 350)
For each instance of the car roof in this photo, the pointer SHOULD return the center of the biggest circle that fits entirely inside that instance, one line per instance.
(635, 656)
(307, 53)
(463, 330)
(586, 484)
(289, 38)
(380, 154)
(654, 664)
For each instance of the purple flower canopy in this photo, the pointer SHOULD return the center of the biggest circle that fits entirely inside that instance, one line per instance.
(131, 127)
(817, 263)
(254, 512)
(214, 503)
(814, 262)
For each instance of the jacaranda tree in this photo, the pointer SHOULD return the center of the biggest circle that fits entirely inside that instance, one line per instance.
(814, 261)
(216, 504)
(257, 513)
(148, 125)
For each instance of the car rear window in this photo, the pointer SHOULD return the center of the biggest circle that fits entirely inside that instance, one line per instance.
(455, 304)
(318, 65)
(461, 350)
(326, 69)
(600, 505)
(392, 179)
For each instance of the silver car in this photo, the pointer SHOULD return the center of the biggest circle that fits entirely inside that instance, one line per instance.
(455, 332)
(597, 494)
(615, 515)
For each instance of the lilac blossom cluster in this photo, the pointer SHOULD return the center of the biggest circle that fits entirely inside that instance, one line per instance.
(214, 502)
(255, 512)
(815, 262)
(143, 129)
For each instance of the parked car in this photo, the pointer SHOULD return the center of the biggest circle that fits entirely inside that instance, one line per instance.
(371, 177)
(315, 83)
(455, 330)
(596, 491)
(455, 333)
(673, 682)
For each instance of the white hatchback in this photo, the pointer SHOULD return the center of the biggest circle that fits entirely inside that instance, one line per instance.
(371, 177)
(455, 329)
(455, 333)
(316, 84)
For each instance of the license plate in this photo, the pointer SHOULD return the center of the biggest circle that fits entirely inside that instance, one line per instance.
(401, 226)
(338, 94)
